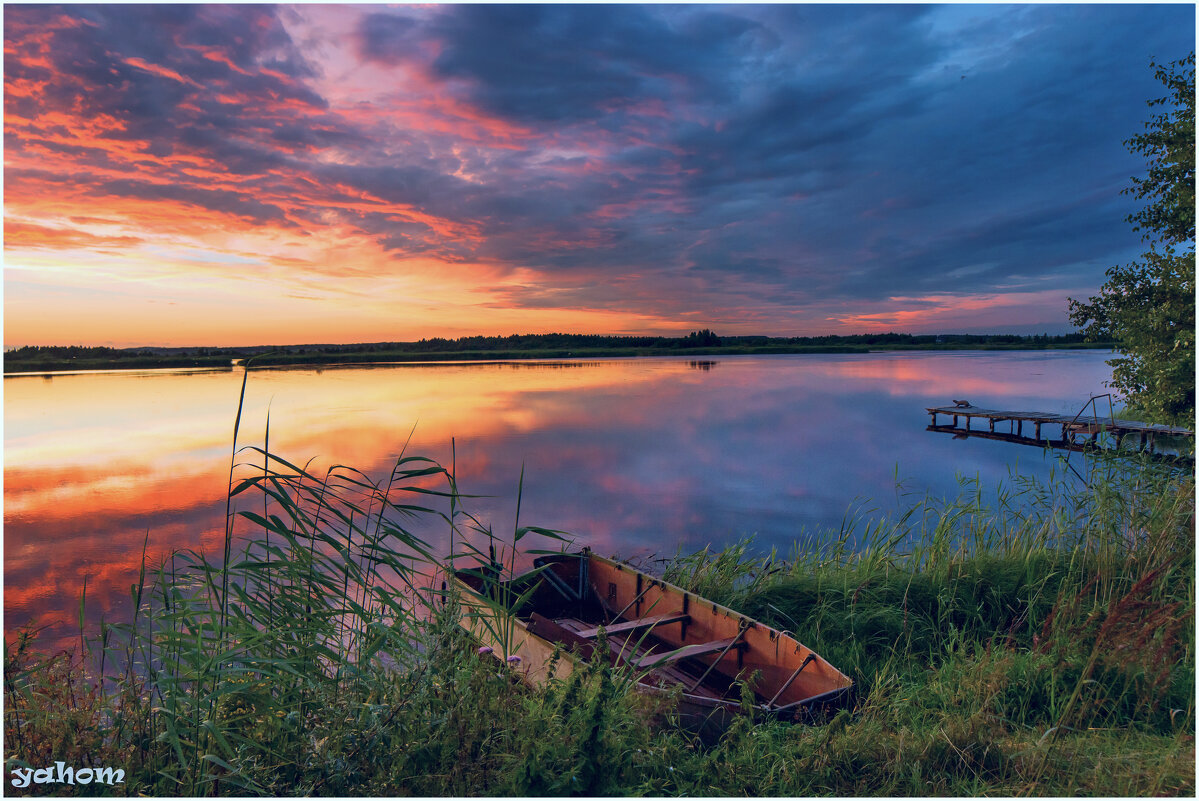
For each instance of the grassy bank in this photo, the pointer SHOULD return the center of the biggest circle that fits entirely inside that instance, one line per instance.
(1041, 643)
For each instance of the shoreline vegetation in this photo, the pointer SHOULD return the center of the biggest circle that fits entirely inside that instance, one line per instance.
(33, 358)
(1031, 639)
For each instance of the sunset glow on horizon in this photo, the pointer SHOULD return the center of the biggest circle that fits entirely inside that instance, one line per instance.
(239, 175)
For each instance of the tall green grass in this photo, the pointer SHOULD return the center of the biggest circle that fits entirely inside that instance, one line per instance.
(228, 663)
(1038, 643)
(1061, 609)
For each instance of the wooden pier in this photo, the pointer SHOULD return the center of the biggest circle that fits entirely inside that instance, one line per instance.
(1074, 430)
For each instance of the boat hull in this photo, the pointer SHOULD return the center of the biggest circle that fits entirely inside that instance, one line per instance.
(669, 637)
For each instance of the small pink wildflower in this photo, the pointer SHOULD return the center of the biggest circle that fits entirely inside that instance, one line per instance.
(484, 650)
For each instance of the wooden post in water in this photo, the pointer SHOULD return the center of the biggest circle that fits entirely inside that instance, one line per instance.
(992, 421)
(1037, 431)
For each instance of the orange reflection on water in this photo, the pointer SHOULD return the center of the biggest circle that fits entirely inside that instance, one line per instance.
(95, 461)
(634, 456)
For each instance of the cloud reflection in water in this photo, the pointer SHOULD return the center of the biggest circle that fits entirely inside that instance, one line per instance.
(634, 457)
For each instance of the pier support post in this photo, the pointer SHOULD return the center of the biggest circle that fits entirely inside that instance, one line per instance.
(992, 420)
(1019, 428)
(1037, 431)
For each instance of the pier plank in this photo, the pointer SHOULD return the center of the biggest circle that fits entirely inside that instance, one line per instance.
(1081, 423)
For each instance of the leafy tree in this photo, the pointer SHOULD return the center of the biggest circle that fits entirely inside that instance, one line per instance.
(701, 339)
(1148, 306)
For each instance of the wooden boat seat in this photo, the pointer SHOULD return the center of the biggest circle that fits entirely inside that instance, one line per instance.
(635, 625)
(687, 651)
(628, 650)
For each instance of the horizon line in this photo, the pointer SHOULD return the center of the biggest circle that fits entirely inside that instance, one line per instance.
(8, 347)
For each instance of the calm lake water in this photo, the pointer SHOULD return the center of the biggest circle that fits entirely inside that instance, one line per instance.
(633, 457)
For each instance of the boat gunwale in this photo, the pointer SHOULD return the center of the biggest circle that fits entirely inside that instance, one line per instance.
(776, 634)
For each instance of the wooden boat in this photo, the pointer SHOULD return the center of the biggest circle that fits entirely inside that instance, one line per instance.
(668, 636)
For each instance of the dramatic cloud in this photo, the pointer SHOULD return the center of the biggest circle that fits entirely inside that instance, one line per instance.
(382, 172)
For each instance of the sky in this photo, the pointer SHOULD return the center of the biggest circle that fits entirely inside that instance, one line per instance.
(236, 174)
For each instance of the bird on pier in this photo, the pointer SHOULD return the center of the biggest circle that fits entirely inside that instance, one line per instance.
(962, 403)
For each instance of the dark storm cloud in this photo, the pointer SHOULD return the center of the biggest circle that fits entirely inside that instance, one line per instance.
(559, 64)
(249, 36)
(231, 46)
(636, 157)
(173, 98)
(1020, 164)
(831, 139)
(387, 38)
(421, 182)
(904, 164)
(235, 203)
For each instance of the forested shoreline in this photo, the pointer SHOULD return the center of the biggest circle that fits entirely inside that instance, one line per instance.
(41, 358)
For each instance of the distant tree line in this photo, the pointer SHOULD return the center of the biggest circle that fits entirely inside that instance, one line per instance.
(1035, 340)
(65, 357)
(696, 339)
(89, 352)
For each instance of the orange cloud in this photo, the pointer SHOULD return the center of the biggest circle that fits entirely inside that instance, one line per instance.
(925, 313)
(20, 235)
(157, 69)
